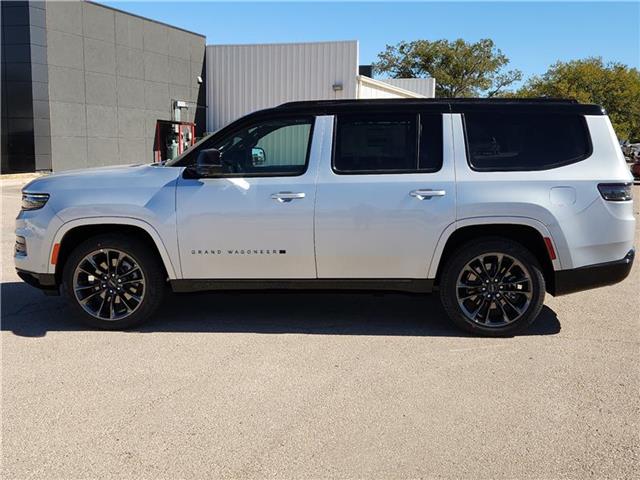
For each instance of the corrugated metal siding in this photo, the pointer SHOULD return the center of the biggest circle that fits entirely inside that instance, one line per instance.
(423, 86)
(245, 78)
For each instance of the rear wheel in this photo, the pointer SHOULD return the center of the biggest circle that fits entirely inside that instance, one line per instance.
(113, 281)
(492, 287)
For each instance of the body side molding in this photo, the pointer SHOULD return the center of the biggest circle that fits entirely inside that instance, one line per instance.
(398, 285)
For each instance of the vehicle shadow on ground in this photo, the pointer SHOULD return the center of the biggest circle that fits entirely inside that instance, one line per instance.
(27, 312)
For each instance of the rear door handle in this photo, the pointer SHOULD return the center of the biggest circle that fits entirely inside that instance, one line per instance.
(422, 194)
(284, 197)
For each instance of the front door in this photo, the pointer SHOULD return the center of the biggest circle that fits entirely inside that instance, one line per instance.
(386, 196)
(255, 220)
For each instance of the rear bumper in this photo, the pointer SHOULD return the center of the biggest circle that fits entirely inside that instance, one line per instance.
(592, 276)
(44, 281)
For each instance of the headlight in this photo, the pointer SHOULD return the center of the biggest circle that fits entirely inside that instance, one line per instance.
(34, 201)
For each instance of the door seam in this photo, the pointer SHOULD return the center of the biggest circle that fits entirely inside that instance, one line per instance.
(315, 194)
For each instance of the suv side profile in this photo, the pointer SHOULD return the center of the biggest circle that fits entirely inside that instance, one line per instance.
(491, 203)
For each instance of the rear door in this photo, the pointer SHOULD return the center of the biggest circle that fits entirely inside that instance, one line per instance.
(385, 195)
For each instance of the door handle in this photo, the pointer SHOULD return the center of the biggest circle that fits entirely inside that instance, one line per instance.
(422, 194)
(284, 197)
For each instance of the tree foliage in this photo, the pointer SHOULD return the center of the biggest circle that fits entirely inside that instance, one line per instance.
(461, 69)
(613, 85)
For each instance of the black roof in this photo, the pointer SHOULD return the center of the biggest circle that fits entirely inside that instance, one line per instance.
(447, 105)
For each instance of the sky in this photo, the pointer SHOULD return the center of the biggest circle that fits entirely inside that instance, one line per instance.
(533, 35)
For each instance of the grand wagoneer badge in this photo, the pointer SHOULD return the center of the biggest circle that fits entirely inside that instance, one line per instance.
(254, 251)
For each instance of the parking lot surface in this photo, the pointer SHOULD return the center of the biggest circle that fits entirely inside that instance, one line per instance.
(317, 385)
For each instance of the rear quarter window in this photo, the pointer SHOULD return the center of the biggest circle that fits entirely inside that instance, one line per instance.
(525, 141)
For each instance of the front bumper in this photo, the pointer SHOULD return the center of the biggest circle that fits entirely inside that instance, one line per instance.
(592, 276)
(44, 281)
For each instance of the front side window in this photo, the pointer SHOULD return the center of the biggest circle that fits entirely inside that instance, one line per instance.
(525, 141)
(272, 147)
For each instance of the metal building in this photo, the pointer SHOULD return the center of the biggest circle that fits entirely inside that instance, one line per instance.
(245, 78)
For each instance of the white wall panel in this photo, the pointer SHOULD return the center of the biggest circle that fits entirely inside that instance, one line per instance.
(368, 88)
(245, 78)
(423, 86)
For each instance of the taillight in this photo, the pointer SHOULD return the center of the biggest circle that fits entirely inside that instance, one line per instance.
(616, 192)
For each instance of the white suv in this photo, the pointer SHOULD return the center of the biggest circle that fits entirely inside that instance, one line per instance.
(491, 203)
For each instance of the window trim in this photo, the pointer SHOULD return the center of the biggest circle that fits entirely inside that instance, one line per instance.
(550, 166)
(397, 171)
(246, 125)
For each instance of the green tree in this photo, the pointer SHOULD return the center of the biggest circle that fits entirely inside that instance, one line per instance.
(461, 69)
(613, 85)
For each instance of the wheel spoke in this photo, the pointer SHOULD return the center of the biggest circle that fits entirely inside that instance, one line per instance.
(89, 297)
(84, 287)
(129, 272)
(470, 295)
(505, 266)
(505, 317)
(471, 291)
(104, 300)
(118, 262)
(97, 269)
(111, 307)
(512, 305)
(482, 311)
(488, 276)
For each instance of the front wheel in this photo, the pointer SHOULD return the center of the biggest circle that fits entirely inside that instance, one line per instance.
(492, 287)
(113, 281)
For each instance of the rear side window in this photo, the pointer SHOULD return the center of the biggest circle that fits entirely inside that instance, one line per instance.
(519, 141)
(388, 143)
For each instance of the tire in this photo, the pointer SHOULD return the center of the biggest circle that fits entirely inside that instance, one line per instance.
(514, 297)
(137, 294)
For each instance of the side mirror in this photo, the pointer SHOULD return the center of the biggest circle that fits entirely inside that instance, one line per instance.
(258, 157)
(208, 163)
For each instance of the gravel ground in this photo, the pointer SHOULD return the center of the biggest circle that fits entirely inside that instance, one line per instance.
(318, 385)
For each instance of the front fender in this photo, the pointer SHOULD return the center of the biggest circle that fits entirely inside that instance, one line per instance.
(167, 250)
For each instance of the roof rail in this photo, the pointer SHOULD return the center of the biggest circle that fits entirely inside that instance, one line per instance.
(506, 99)
(319, 103)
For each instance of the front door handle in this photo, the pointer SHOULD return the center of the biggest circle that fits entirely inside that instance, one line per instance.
(422, 194)
(284, 197)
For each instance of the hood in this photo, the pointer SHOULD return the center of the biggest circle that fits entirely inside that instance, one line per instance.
(133, 191)
(104, 178)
